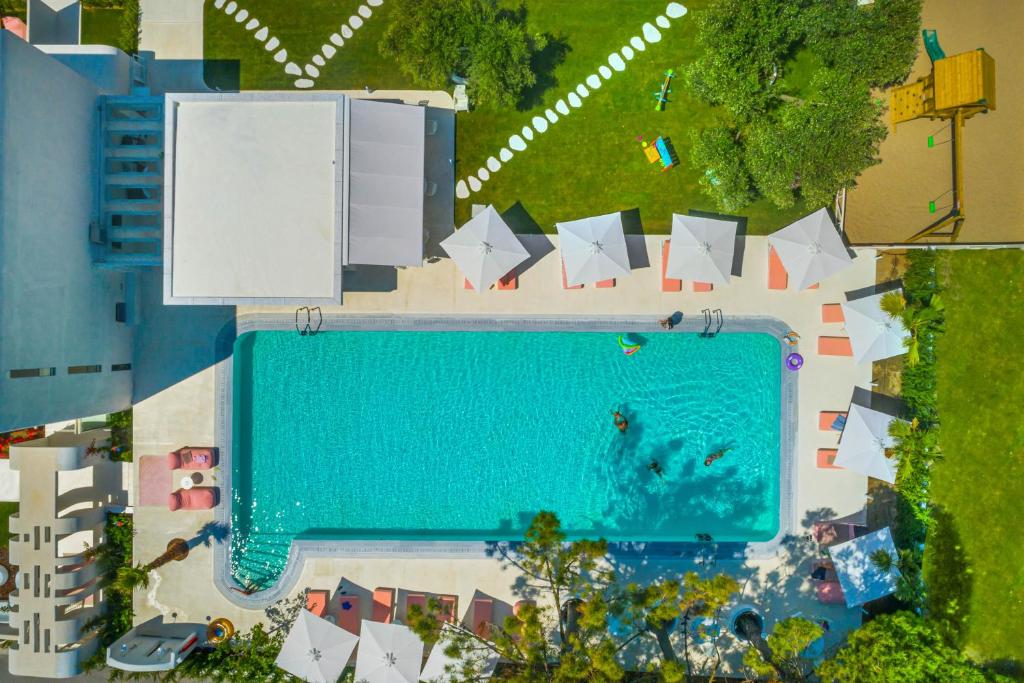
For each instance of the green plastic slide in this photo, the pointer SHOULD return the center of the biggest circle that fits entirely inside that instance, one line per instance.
(931, 43)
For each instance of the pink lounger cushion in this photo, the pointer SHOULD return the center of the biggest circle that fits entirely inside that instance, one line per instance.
(830, 593)
(778, 278)
(198, 498)
(834, 346)
(348, 613)
(316, 601)
(668, 284)
(832, 313)
(605, 284)
(827, 459)
(191, 458)
(383, 605)
(483, 615)
(702, 286)
(827, 418)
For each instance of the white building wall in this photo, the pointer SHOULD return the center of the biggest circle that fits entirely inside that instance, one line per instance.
(56, 309)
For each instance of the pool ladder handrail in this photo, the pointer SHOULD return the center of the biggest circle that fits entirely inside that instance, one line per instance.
(721, 320)
(707, 322)
(308, 330)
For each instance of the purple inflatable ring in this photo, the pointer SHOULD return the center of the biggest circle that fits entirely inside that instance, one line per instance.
(794, 361)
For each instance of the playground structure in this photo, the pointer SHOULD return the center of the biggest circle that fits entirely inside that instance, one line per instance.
(660, 151)
(666, 88)
(957, 88)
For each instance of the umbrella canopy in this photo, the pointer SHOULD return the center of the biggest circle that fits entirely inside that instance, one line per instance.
(864, 442)
(485, 249)
(874, 334)
(388, 653)
(593, 249)
(440, 668)
(811, 249)
(702, 249)
(315, 649)
(859, 575)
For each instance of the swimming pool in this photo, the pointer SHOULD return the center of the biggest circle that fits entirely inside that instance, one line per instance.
(464, 435)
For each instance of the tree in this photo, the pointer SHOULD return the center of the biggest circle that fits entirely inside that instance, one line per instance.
(899, 648)
(917, 318)
(130, 578)
(131, 24)
(719, 152)
(779, 656)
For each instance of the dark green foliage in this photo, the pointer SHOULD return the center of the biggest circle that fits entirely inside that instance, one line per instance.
(120, 425)
(113, 554)
(131, 24)
(718, 151)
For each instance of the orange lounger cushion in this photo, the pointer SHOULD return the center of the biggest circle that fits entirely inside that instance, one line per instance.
(565, 281)
(778, 278)
(834, 346)
(827, 459)
(348, 613)
(668, 284)
(814, 286)
(832, 313)
(605, 284)
(826, 418)
(483, 615)
(702, 286)
(383, 605)
(316, 602)
(509, 282)
(466, 284)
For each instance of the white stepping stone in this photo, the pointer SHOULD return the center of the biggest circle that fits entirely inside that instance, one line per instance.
(303, 83)
(616, 61)
(354, 21)
(575, 100)
(517, 143)
(251, 24)
(337, 40)
(627, 52)
(312, 71)
(241, 16)
(346, 31)
(272, 44)
(662, 22)
(637, 44)
(493, 164)
(675, 10)
(651, 34)
(593, 81)
(540, 124)
(230, 9)
(528, 132)
(292, 69)
(281, 56)
(504, 154)
(318, 60)
(219, 3)
(581, 90)
(561, 107)
(605, 72)
(461, 191)
(328, 50)
(552, 116)
(484, 174)
(364, 11)
(262, 34)
(474, 184)
(374, 3)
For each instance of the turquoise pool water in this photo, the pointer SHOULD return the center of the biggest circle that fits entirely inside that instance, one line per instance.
(465, 435)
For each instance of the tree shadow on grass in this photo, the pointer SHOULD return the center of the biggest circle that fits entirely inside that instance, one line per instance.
(543, 63)
(950, 581)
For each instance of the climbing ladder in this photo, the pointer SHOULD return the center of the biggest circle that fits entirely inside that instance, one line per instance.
(129, 233)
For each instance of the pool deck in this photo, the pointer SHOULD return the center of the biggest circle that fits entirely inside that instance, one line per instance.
(184, 414)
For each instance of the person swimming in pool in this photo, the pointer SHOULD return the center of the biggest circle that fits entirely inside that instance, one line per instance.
(715, 456)
(655, 467)
(620, 421)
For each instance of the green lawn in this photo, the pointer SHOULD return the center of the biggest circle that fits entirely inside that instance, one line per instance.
(101, 26)
(6, 510)
(587, 164)
(976, 556)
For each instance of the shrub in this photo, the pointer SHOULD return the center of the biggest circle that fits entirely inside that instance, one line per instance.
(725, 178)
(130, 27)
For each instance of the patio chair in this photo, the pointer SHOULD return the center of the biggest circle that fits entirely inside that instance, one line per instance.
(827, 459)
(383, 605)
(565, 281)
(192, 458)
(198, 498)
(316, 602)
(483, 616)
(832, 313)
(831, 533)
(702, 286)
(348, 613)
(834, 346)
(827, 420)
(830, 593)
(668, 284)
(778, 278)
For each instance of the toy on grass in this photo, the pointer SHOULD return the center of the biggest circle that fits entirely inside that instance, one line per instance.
(666, 88)
(660, 151)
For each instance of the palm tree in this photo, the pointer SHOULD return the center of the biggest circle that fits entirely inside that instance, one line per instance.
(916, 317)
(130, 578)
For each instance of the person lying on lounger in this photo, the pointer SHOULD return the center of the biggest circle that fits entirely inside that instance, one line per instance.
(620, 421)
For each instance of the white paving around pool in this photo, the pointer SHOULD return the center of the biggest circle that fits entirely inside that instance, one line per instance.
(184, 415)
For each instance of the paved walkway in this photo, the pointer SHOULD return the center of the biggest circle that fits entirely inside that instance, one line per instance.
(173, 29)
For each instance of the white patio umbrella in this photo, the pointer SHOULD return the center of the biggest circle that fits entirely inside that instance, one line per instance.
(593, 249)
(860, 577)
(440, 668)
(701, 249)
(864, 442)
(811, 249)
(315, 649)
(388, 653)
(485, 249)
(874, 334)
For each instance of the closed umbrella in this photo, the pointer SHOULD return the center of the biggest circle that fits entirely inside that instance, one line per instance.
(864, 442)
(811, 249)
(593, 249)
(702, 249)
(874, 334)
(440, 668)
(315, 649)
(388, 653)
(485, 249)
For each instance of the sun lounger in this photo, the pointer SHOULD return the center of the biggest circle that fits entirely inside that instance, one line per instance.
(509, 282)
(830, 593)
(827, 459)
(702, 286)
(832, 313)
(449, 608)
(834, 346)
(519, 605)
(197, 498)
(830, 533)
(154, 480)
(778, 278)
(668, 284)
(348, 613)
(814, 286)
(827, 420)
(483, 616)
(316, 602)
(383, 605)
(466, 284)
(605, 284)
(565, 281)
(190, 458)
(415, 600)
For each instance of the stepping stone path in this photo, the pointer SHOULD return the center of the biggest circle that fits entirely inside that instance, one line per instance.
(539, 124)
(346, 31)
(364, 11)
(219, 4)
(355, 22)
(318, 60)
(230, 9)
(303, 83)
(251, 24)
(262, 34)
(312, 70)
(337, 40)
(292, 69)
(242, 14)
(281, 56)
(272, 44)
(328, 50)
